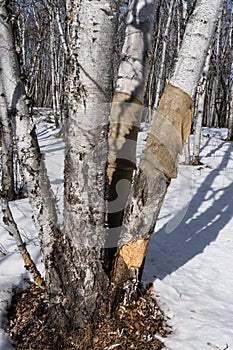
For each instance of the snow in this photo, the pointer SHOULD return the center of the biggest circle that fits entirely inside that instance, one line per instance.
(190, 255)
(189, 258)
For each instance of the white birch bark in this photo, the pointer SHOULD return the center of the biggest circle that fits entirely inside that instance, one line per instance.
(230, 120)
(163, 56)
(137, 45)
(34, 69)
(187, 159)
(195, 45)
(7, 148)
(21, 25)
(216, 79)
(61, 31)
(53, 60)
(201, 94)
(7, 57)
(179, 21)
(8, 219)
(151, 70)
(38, 188)
(89, 91)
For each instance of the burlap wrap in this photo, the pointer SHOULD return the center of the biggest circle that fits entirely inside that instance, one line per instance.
(170, 128)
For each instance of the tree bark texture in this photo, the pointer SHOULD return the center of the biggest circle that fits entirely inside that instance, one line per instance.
(31, 161)
(7, 182)
(198, 34)
(89, 93)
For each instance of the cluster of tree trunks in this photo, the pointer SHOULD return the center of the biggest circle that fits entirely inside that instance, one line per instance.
(110, 206)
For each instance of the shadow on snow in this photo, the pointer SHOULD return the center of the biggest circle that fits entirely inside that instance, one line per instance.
(170, 251)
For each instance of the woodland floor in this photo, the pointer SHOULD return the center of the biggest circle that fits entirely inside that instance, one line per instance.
(135, 326)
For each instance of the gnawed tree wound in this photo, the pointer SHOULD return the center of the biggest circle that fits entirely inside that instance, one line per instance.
(170, 128)
(134, 252)
(125, 119)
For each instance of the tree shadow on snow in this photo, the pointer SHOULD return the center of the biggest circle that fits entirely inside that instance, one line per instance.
(169, 251)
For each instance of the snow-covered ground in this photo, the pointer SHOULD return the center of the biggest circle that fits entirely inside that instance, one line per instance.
(189, 258)
(190, 255)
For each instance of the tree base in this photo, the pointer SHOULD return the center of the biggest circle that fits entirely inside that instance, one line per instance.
(136, 326)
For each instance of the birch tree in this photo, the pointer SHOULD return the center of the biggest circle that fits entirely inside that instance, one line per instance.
(89, 92)
(200, 97)
(127, 109)
(230, 119)
(31, 160)
(170, 128)
(7, 182)
(85, 279)
(164, 48)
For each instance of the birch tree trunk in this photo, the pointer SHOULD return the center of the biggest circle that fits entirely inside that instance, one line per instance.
(7, 182)
(53, 59)
(201, 94)
(79, 254)
(31, 161)
(151, 70)
(125, 117)
(170, 128)
(187, 159)
(230, 120)
(164, 49)
(127, 108)
(213, 114)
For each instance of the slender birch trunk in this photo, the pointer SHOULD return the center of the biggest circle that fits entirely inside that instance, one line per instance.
(151, 71)
(230, 120)
(14, 231)
(32, 75)
(170, 128)
(8, 191)
(62, 35)
(187, 159)
(216, 79)
(53, 58)
(21, 25)
(163, 56)
(230, 88)
(31, 161)
(201, 94)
